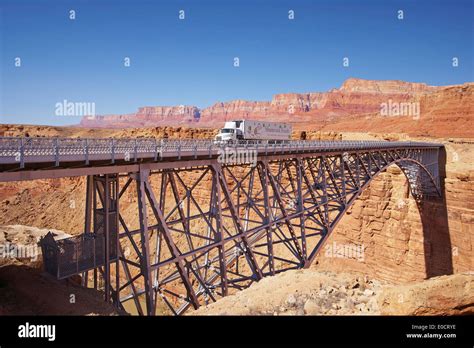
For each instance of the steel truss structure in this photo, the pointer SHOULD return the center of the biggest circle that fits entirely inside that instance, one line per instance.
(204, 225)
(214, 228)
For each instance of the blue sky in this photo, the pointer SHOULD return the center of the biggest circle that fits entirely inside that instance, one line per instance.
(190, 61)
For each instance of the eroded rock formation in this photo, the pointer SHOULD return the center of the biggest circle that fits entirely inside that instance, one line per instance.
(358, 105)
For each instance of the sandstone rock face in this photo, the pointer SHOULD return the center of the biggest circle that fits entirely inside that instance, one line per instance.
(356, 96)
(356, 106)
(236, 109)
(385, 226)
(289, 102)
(177, 132)
(145, 116)
(402, 242)
(163, 113)
(443, 112)
(352, 85)
(446, 295)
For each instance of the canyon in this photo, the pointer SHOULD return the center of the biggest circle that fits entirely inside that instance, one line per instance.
(400, 243)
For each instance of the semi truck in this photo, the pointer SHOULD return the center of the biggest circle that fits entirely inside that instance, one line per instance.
(254, 131)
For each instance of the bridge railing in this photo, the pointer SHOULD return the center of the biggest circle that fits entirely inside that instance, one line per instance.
(31, 150)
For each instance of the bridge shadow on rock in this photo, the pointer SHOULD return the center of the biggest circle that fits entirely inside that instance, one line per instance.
(26, 290)
(436, 236)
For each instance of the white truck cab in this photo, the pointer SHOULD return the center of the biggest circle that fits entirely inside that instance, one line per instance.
(255, 131)
(231, 132)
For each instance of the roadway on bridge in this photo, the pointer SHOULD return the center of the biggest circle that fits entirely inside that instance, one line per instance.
(36, 158)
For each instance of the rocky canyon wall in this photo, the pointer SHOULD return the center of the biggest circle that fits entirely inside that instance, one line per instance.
(401, 241)
(355, 105)
(442, 112)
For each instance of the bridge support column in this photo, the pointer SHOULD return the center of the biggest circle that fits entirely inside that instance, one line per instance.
(141, 179)
(102, 220)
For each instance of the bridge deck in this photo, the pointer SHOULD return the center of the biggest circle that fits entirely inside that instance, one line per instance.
(34, 158)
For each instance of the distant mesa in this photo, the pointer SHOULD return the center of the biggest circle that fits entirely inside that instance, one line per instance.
(145, 116)
(354, 97)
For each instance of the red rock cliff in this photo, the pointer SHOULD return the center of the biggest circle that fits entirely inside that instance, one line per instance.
(355, 98)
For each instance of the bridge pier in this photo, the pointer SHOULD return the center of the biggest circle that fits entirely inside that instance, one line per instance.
(102, 219)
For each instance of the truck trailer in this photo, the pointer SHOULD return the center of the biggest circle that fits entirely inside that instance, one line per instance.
(254, 131)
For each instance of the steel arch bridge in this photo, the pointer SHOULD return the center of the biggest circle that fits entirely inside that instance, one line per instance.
(208, 224)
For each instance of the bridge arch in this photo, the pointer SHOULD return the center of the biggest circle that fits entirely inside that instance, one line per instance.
(418, 190)
(347, 167)
(428, 193)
